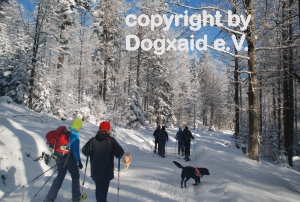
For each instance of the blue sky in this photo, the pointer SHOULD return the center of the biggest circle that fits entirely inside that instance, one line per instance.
(213, 33)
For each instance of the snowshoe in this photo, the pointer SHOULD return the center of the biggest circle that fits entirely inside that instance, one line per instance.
(83, 197)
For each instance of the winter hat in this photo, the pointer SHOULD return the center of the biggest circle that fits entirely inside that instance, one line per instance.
(180, 129)
(104, 126)
(77, 123)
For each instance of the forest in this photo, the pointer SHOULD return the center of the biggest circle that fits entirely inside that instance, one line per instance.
(70, 58)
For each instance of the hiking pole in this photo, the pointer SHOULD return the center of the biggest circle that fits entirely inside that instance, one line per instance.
(86, 164)
(84, 195)
(166, 148)
(118, 178)
(38, 176)
(154, 148)
(45, 183)
(176, 146)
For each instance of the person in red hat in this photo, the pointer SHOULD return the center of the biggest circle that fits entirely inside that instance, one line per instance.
(102, 149)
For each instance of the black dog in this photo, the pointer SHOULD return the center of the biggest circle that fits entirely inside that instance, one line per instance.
(191, 172)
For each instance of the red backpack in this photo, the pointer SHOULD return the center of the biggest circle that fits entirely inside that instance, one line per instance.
(58, 140)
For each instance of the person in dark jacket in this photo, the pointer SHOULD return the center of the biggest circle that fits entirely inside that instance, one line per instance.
(163, 137)
(156, 134)
(71, 163)
(187, 136)
(178, 137)
(102, 149)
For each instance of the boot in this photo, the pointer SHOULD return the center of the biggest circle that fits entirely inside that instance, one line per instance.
(48, 200)
(76, 199)
(187, 158)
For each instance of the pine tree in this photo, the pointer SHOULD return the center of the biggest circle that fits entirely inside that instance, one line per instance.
(134, 115)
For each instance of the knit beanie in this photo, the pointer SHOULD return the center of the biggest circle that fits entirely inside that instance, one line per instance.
(77, 124)
(104, 126)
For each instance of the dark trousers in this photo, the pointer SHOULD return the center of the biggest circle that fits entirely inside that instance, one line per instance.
(101, 190)
(71, 166)
(161, 147)
(180, 147)
(187, 146)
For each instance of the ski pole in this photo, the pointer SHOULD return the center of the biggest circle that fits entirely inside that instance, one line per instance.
(118, 178)
(166, 148)
(45, 183)
(86, 164)
(39, 176)
(154, 148)
(83, 195)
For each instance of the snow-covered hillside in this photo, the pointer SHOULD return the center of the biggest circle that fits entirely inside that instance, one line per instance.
(233, 177)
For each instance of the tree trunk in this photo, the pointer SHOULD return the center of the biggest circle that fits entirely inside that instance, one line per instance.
(236, 98)
(129, 77)
(138, 66)
(274, 103)
(236, 86)
(291, 87)
(194, 114)
(252, 88)
(279, 128)
(260, 107)
(80, 70)
(36, 42)
(288, 88)
(211, 115)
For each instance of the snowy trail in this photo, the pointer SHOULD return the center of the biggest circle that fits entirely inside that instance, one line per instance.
(150, 178)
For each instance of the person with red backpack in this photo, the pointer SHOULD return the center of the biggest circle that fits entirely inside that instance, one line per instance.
(66, 148)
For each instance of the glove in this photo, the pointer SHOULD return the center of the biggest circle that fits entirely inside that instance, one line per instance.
(64, 148)
(80, 165)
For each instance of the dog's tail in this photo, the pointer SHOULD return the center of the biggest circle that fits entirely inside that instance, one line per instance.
(178, 164)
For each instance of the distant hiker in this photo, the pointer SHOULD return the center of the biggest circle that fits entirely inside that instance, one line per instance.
(178, 137)
(68, 162)
(163, 137)
(102, 148)
(156, 134)
(187, 136)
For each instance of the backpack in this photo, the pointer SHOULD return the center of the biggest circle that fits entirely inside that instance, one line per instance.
(179, 135)
(58, 140)
(186, 135)
(162, 135)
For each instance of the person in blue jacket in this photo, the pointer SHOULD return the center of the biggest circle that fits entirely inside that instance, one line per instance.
(178, 137)
(70, 162)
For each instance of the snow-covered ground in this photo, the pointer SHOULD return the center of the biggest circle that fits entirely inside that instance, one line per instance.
(233, 177)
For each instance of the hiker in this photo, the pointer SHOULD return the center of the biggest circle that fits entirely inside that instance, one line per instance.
(156, 134)
(178, 137)
(163, 137)
(187, 136)
(102, 148)
(69, 162)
